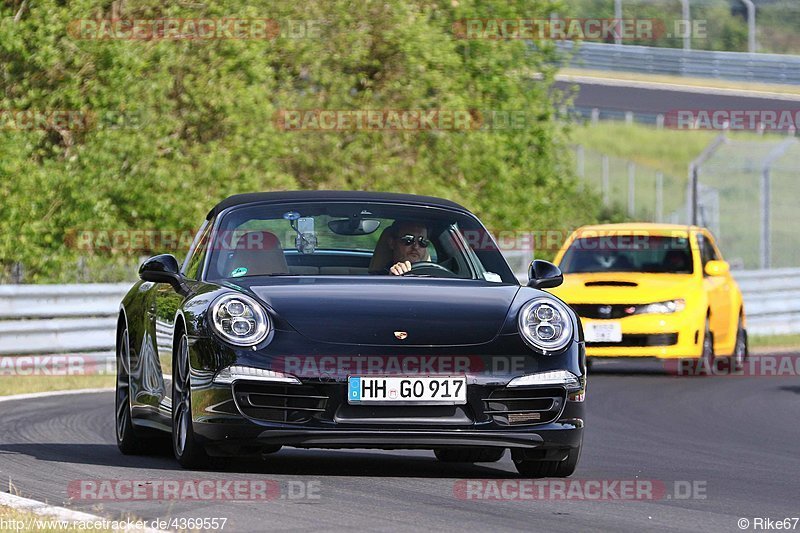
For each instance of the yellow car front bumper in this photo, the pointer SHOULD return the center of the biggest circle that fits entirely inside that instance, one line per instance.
(665, 336)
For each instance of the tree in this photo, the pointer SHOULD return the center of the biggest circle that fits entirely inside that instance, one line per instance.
(171, 126)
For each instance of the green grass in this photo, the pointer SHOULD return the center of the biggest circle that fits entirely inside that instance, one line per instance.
(25, 384)
(762, 342)
(669, 151)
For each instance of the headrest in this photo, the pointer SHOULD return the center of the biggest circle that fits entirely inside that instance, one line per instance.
(257, 253)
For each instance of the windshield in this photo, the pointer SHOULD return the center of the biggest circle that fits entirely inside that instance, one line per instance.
(347, 239)
(628, 253)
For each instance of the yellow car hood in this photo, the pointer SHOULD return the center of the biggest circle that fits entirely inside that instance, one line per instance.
(624, 287)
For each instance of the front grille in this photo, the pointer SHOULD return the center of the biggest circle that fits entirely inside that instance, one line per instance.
(633, 340)
(518, 406)
(603, 311)
(278, 402)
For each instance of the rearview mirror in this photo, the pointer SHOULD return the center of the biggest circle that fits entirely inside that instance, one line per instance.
(162, 269)
(717, 268)
(354, 226)
(544, 275)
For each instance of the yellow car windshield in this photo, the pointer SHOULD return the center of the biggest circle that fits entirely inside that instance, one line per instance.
(628, 253)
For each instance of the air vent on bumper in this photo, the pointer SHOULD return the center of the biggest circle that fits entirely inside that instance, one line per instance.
(279, 403)
(519, 406)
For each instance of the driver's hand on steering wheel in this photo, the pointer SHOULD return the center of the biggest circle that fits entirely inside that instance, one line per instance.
(398, 269)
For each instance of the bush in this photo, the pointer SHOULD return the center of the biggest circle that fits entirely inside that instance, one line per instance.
(178, 125)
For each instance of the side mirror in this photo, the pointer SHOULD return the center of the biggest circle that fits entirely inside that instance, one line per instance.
(544, 275)
(717, 268)
(162, 269)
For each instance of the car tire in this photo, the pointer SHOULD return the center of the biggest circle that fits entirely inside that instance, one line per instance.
(129, 441)
(189, 453)
(740, 349)
(469, 455)
(705, 365)
(536, 469)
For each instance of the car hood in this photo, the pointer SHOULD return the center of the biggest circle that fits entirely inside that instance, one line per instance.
(432, 312)
(623, 287)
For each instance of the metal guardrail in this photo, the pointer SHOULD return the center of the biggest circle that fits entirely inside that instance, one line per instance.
(59, 319)
(771, 300)
(737, 66)
(69, 319)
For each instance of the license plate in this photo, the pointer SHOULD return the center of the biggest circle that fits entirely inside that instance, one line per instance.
(407, 390)
(602, 332)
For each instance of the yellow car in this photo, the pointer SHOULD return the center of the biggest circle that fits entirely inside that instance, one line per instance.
(653, 290)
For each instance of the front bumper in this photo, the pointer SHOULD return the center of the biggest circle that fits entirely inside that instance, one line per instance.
(664, 336)
(560, 436)
(226, 427)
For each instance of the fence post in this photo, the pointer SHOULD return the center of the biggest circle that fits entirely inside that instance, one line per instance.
(17, 273)
(579, 156)
(765, 246)
(631, 189)
(618, 16)
(628, 117)
(691, 195)
(659, 197)
(687, 25)
(605, 184)
(751, 26)
(694, 171)
(660, 121)
(595, 115)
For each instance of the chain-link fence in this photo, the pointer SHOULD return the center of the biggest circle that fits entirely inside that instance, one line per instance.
(756, 214)
(746, 195)
(642, 192)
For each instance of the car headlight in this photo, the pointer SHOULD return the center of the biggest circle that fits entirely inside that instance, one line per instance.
(239, 320)
(670, 306)
(545, 324)
(228, 375)
(552, 377)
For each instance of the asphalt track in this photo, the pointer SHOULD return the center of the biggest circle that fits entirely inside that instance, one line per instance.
(735, 438)
(664, 100)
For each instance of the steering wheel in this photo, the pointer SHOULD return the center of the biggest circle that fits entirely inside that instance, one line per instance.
(429, 268)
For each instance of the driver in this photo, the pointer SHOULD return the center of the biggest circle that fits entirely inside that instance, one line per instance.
(409, 244)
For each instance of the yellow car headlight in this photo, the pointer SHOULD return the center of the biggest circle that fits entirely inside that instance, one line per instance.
(662, 308)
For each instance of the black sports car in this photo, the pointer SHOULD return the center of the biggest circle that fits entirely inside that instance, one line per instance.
(287, 325)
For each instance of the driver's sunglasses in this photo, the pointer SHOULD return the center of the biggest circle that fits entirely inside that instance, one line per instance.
(408, 240)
